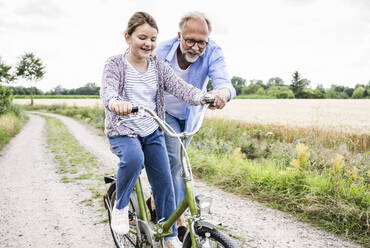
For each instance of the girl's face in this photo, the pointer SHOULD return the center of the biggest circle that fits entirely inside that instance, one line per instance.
(142, 41)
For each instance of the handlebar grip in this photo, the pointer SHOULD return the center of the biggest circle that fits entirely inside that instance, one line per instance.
(135, 109)
(210, 99)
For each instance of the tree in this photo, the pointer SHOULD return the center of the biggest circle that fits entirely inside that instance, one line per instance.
(6, 94)
(359, 92)
(280, 92)
(298, 84)
(88, 89)
(238, 83)
(58, 90)
(349, 91)
(5, 76)
(260, 92)
(333, 94)
(251, 89)
(209, 85)
(6, 98)
(275, 81)
(318, 94)
(30, 68)
(259, 82)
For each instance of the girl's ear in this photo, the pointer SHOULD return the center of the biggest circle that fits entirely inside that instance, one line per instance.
(127, 37)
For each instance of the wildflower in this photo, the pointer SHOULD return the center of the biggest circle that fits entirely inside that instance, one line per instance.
(302, 161)
(238, 156)
(353, 175)
(303, 153)
(338, 164)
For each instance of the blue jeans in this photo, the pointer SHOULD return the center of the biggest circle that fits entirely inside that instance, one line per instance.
(173, 149)
(134, 154)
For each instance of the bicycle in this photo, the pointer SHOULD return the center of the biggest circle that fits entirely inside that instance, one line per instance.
(143, 233)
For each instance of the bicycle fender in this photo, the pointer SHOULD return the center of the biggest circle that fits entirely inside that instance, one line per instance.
(203, 223)
(198, 224)
(145, 228)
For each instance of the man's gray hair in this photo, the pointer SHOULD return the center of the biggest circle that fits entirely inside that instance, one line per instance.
(194, 15)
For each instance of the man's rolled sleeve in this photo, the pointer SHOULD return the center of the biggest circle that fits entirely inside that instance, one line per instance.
(218, 73)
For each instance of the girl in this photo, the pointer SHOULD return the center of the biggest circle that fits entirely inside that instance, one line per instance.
(137, 78)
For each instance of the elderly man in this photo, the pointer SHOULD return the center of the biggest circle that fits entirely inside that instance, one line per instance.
(195, 58)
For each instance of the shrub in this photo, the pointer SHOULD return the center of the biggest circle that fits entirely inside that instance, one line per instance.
(251, 89)
(260, 92)
(6, 97)
(359, 92)
(281, 92)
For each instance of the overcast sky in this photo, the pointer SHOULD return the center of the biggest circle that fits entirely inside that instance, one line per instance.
(327, 41)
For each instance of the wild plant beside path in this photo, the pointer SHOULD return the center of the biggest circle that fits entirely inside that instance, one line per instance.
(323, 182)
(11, 123)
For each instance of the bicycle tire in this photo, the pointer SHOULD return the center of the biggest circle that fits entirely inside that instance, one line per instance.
(215, 239)
(127, 240)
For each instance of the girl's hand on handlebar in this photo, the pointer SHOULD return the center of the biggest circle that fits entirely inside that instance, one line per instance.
(121, 108)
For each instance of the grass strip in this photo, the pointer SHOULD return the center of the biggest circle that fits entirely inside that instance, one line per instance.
(74, 163)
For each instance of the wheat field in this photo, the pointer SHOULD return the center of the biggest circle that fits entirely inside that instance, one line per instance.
(346, 115)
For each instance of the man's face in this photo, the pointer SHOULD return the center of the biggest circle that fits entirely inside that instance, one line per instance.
(194, 30)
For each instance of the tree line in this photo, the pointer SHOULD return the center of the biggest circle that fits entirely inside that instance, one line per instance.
(298, 88)
(31, 69)
(273, 88)
(87, 89)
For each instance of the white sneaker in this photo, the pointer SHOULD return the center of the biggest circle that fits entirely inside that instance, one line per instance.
(119, 222)
(173, 243)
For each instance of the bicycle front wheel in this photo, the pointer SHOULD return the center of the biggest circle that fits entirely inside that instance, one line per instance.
(211, 238)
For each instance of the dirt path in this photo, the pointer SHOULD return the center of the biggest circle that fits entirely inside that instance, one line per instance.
(36, 210)
(58, 220)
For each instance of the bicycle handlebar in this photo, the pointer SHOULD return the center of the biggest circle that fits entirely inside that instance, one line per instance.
(209, 99)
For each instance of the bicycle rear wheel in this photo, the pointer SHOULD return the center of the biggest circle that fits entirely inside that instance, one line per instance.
(130, 239)
(211, 238)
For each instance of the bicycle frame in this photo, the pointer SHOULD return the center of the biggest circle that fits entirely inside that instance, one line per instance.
(164, 229)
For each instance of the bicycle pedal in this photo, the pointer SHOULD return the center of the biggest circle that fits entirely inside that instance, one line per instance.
(130, 216)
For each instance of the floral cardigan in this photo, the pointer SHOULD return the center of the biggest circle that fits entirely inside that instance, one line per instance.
(113, 87)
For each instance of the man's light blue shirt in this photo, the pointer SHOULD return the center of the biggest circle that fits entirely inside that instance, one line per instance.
(211, 65)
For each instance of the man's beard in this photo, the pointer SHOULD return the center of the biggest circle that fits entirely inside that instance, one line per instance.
(187, 58)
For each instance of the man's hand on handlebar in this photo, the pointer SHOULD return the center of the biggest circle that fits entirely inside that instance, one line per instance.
(221, 98)
(121, 108)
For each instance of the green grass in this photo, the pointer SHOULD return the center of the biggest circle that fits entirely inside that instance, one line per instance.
(57, 96)
(74, 163)
(91, 115)
(254, 97)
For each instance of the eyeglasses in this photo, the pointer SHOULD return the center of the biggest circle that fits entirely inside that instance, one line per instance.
(191, 42)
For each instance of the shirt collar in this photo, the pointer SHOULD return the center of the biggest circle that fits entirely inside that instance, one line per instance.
(173, 50)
